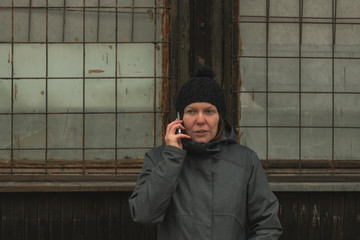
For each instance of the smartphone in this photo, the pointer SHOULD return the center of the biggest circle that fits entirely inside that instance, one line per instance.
(178, 117)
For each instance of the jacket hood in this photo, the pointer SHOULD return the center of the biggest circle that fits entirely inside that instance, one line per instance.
(228, 136)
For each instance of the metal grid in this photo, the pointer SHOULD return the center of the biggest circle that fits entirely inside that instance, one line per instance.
(334, 152)
(76, 18)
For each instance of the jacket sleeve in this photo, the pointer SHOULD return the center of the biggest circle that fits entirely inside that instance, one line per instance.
(155, 184)
(262, 206)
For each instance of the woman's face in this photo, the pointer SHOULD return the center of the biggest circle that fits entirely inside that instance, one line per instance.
(201, 121)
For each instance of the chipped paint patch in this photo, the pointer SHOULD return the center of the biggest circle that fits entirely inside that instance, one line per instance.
(95, 71)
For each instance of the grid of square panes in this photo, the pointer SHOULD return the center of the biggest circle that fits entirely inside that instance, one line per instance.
(80, 83)
(300, 92)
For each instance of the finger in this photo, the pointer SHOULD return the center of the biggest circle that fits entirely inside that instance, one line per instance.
(181, 135)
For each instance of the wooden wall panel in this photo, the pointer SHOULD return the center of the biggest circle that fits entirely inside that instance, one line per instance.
(106, 215)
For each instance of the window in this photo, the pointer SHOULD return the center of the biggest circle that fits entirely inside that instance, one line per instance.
(299, 99)
(82, 84)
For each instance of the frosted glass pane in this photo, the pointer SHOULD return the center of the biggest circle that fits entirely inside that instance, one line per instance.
(5, 131)
(347, 34)
(253, 74)
(135, 94)
(347, 43)
(6, 3)
(100, 155)
(316, 40)
(348, 9)
(65, 130)
(316, 143)
(253, 109)
(317, 8)
(30, 24)
(108, 3)
(136, 130)
(124, 31)
(100, 60)
(73, 28)
(91, 26)
(316, 75)
(21, 30)
(252, 7)
(107, 24)
(65, 60)
(38, 25)
(99, 95)
(91, 3)
(124, 3)
(37, 155)
(29, 95)
(283, 74)
(253, 37)
(5, 95)
(254, 138)
(57, 3)
(5, 60)
(316, 109)
(65, 95)
(5, 24)
(346, 144)
(144, 22)
(284, 8)
(135, 60)
(5, 155)
(346, 75)
(283, 109)
(26, 3)
(64, 155)
(283, 39)
(283, 143)
(131, 153)
(55, 25)
(148, 3)
(100, 130)
(30, 60)
(29, 131)
(347, 110)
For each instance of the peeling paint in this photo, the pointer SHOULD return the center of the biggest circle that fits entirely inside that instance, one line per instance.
(302, 210)
(316, 217)
(95, 71)
(42, 92)
(72, 133)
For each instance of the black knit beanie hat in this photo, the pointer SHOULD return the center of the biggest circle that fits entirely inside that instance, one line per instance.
(202, 88)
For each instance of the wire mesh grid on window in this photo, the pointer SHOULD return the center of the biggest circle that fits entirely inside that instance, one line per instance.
(81, 84)
(299, 99)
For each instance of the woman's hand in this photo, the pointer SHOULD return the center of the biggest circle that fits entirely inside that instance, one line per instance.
(173, 139)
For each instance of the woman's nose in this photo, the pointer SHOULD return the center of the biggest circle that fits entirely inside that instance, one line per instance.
(200, 119)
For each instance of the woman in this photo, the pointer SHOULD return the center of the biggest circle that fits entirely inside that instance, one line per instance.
(202, 184)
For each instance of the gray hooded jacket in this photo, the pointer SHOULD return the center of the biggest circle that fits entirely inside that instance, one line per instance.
(207, 191)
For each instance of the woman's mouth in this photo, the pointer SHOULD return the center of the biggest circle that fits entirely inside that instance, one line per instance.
(200, 132)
